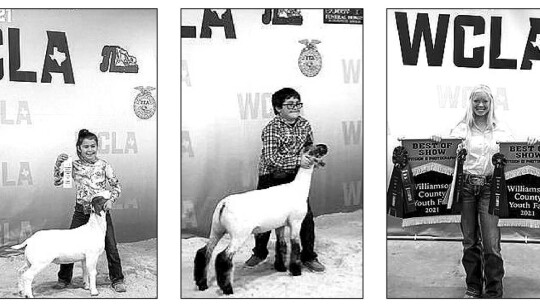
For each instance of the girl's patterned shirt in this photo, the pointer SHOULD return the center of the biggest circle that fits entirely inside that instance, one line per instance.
(91, 179)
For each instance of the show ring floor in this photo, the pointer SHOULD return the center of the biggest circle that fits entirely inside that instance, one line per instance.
(338, 242)
(139, 265)
(432, 269)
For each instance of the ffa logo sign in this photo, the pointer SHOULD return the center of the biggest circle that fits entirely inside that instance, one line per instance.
(310, 60)
(145, 104)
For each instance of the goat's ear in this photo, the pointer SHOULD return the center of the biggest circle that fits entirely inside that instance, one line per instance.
(92, 208)
(101, 206)
(97, 205)
(98, 209)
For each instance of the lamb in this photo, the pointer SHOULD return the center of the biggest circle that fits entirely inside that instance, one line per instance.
(85, 244)
(243, 214)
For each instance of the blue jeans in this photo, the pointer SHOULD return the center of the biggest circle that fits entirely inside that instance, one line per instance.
(482, 258)
(113, 257)
(307, 229)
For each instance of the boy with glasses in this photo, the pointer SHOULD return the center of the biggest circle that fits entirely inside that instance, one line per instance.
(284, 138)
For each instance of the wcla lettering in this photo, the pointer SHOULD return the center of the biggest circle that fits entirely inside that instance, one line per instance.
(56, 58)
(211, 19)
(435, 49)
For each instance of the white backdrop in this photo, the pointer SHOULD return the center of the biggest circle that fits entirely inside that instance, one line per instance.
(430, 100)
(38, 120)
(226, 101)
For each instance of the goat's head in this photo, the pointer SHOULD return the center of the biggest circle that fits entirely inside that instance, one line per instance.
(317, 152)
(98, 204)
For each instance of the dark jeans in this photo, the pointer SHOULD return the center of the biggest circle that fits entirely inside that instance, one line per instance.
(307, 230)
(482, 258)
(113, 258)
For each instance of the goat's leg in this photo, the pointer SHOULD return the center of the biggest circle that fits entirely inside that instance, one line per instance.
(281, 250)
(20, 272)
(85, 275)
(91, 264)
(225, 266)
(28, 277)
(202, 258)
(295, 266)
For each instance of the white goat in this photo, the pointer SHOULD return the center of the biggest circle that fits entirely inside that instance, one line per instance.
(66, 246)
(243, 214)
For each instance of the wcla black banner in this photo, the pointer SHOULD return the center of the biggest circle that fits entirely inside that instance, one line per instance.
(432, 165)
(522, 174)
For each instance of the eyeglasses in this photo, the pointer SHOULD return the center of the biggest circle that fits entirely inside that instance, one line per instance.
(291, 106)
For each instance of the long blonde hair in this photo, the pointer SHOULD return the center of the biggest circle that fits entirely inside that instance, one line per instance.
(468, 119)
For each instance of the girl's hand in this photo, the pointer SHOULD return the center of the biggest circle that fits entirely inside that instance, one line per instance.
(61, 158)
(532, 140)
(306, 161)
(459, 147)
(108, 205)
(436, 138)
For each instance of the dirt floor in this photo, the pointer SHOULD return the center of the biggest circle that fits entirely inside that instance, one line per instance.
(338, 243)
(138, 263)
(428, 269)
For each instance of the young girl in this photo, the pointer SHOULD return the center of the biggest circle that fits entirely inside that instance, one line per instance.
(481, 131)
(91, 175)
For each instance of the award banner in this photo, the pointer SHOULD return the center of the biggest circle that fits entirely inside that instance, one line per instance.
(432, 165)
(522, 175)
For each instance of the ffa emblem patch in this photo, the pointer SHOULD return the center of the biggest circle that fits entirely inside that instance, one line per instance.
(310, 60)
(144, 105)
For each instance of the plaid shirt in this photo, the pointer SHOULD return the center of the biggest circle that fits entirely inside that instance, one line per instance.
(283, 143)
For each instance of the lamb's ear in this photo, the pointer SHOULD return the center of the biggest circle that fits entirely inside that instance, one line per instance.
(318, 163)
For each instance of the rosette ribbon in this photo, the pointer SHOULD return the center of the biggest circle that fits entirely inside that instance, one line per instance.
(400, 198)
(456, 188)
(498, 203)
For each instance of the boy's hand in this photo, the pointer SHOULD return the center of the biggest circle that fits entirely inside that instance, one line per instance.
(306, 161)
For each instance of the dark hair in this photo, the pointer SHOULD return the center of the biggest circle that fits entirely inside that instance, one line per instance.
(84, 134)
(279, 97)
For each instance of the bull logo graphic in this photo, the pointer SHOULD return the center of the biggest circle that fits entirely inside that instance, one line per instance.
(118, 60)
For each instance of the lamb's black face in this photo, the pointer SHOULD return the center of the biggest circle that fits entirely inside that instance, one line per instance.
(97, 203)
(318, 150)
